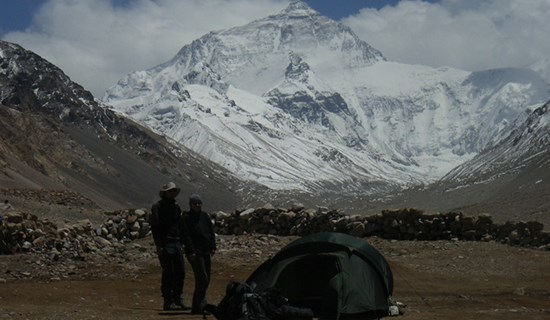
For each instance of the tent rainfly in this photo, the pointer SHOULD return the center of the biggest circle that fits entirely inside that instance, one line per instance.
(336, 275)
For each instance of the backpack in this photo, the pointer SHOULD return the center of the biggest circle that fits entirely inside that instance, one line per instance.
(241, 303)
(231, 306)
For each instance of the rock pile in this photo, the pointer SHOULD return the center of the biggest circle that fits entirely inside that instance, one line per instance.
(56, 252)
(24, 232)
(125, 225)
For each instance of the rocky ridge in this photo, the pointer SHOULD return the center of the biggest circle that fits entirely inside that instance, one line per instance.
(56, 136)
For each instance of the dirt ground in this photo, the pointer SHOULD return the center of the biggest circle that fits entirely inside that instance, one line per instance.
(436, 280)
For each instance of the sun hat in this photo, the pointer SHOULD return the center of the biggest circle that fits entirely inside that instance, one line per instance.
(167, 187)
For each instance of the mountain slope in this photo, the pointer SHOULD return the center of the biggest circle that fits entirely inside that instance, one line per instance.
(55, 136)
(515, 172)
(526, 146)
(297, 101)
(510, 180)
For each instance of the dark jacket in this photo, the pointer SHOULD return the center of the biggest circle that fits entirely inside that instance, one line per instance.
(167, 223)
(200, 233)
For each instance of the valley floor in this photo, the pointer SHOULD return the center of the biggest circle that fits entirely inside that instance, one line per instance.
(436, 280)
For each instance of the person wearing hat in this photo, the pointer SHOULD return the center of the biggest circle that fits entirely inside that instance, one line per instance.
(200, 245)
(168, 229)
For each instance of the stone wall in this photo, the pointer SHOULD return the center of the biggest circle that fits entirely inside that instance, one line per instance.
(22, 232)
(400, 224)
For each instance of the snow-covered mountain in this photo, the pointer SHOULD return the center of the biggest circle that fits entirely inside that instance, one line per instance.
(54, 135)
(527, 145)
(297, 101)
(510, 180)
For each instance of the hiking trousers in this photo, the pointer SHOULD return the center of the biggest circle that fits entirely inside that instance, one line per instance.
(173, 271)
(201, 264)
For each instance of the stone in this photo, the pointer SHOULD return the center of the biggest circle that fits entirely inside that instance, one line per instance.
(141, 213)
(357, 229)
(247, 214)
(131, 219)
(297, 207)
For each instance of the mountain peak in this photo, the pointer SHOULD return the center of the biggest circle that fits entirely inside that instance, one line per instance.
(298, 100)
(299, 8)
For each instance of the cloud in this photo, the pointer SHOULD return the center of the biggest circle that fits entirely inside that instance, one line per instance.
(465, 34)
(96, 42)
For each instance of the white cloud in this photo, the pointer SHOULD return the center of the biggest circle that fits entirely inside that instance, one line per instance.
(96, 42)
(466, 34)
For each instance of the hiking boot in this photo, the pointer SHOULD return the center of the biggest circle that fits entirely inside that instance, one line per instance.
(177, 304)
(201, 309)
(175, 307)
(167, 305)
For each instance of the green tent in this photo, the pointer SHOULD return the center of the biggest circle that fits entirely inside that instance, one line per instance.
(336, 275)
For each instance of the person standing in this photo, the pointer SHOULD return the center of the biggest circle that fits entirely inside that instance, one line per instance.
(200, 245)
(168, 229)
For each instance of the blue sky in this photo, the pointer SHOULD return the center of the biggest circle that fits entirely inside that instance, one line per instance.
(338, 9)
(96, 42)
(18, 14)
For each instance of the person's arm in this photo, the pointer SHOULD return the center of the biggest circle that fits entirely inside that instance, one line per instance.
(212, 233)
(155, 227)
(186, 235)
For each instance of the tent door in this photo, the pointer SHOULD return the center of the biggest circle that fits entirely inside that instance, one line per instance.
(312, 282)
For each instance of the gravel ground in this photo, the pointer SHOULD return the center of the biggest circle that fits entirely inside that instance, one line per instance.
(436, 280)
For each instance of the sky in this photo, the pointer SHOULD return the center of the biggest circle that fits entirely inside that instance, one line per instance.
(97, 42)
